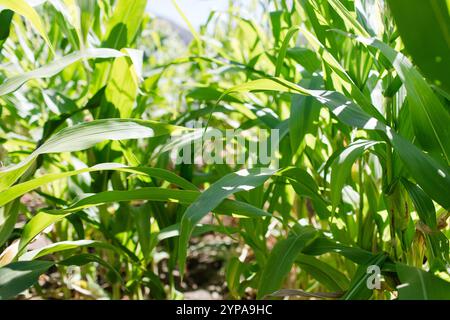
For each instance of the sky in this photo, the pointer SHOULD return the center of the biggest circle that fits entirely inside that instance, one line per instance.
(196, 11)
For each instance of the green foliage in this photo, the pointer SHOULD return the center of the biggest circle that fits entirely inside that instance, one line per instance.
(95, 96)
(428, 29)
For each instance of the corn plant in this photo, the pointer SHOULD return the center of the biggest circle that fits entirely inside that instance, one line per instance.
(96, 95)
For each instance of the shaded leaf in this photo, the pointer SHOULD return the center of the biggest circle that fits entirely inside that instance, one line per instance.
(19, 276)
(420, 285)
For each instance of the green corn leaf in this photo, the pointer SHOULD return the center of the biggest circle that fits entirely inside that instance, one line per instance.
(329, 276)
(301, 177)
(431, 175)
(417, 284)
(85, 258)
(305, 185)
(283, 50)
(438, 243)
(235, 269)
(200, 229)
(142, 218)
(208, 94)
(19, 276)
(359, 289)
(120, 33)
(22, 8)
(24, 187)
(324, 245)
(342, 165)
(304, 111)
(86, 135)
(160, 194)
(72, 13)
(305, 57)
(44, 219)
(188, 24)
(8, 219)
(349, 19)
(243, 180)
(63, 246)
(122, 88)
(432, 20)
(282, 258)
(87, 11)
(424, 28)
(275, 19)
(5, 25)
(124, 23)
(53, 68)
(429, 117)
(424, 205)
(346, 81)
(35, 226)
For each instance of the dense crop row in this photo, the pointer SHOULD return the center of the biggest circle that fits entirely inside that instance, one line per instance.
(96, 95)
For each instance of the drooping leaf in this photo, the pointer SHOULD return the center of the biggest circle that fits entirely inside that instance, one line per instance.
(44, 219)
(53, 68)
(63, 246)
(324, 245)
(8, 219)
